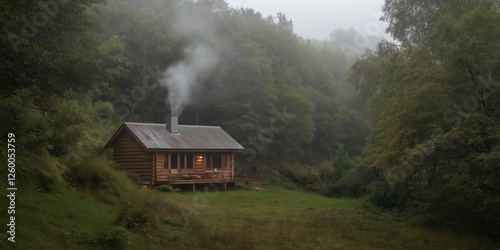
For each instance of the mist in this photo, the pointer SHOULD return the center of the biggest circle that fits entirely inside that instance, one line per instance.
(199, 57)
(180, 78)
(316, 19)
(374, 142)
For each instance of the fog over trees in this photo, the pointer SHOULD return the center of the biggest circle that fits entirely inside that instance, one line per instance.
(411, 125)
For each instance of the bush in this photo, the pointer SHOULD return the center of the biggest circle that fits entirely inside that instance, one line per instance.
(269, 176)
(382, 196)
(144, 209)
(138, 209)
(40, 172)
(303, 175)
(98, 176)
(348, 186)
(135, 178)
(281, 181)
(115, 238)
(167, 188)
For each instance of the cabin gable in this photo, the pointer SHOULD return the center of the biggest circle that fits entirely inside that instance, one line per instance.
(131, 155)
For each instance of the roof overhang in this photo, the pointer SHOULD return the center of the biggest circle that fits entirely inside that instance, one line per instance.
(126, 128)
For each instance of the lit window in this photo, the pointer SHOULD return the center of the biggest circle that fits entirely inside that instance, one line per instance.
(200, 158)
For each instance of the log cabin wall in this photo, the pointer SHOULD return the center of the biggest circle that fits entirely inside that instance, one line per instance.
(159, 162)
(228, 164)
(197, 167)
(132, 156)
(231, 164)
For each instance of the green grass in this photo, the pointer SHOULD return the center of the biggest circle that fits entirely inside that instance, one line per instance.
(69, 218)
(275, 218)
(282, 219)
(61, 219)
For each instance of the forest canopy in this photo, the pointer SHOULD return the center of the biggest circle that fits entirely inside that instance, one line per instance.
(123, 51)
(414, 124)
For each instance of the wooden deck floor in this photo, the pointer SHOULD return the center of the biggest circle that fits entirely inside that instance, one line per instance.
(205, 181)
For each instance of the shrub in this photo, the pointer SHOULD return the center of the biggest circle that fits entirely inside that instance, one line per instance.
(135, 178)
(381, 195)
(348, 186)
(303, 175)
(167, 188)
(144, 209)
(281, 181)
(40, 172)
(138, 209)
(269, 176)
(114, 238)
(98, 176)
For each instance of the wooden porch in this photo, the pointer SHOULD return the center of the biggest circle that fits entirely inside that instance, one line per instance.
(194, 168)
(206, 181)
(223, 182)
(186, 176)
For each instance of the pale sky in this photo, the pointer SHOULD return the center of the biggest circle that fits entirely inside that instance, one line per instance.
(317, 18)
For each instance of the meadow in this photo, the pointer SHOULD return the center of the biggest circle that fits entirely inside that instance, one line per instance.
(276, 218)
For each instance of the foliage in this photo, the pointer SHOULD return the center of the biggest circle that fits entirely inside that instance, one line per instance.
(435, 110)
(135, 178)
(381, 195)
(304, 176)
(337, 177)
(96, 175)
(52, 47)
(144, 211)
(430, 99)
(113, 238)
(265, 71)
(167, 188)
(268, 175)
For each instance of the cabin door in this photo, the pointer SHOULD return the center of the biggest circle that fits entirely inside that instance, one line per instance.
(200, 163)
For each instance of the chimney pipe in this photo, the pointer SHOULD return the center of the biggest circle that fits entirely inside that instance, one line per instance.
(172, 122)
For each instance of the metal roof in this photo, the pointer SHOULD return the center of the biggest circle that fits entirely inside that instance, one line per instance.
(156, 137)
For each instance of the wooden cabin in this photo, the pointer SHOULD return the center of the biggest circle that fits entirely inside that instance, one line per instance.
(176, 154)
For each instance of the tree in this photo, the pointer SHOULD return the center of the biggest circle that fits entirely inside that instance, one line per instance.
(49, 45)
(435, 109)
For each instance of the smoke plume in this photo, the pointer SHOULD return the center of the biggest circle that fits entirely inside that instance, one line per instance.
(180, 79)
(199, 58)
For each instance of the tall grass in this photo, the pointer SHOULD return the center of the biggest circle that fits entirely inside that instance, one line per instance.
(282, 219)
(98, 176)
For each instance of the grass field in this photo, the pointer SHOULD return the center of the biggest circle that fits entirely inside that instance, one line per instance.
(57, 220)
(275, 218)
(282, 219)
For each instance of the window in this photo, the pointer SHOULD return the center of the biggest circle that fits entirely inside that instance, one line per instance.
(174, 160)
(186, 160)
(189, 161)
(199, 159)
(216, 160)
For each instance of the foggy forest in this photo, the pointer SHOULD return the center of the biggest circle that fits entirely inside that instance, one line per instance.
(358, 141)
